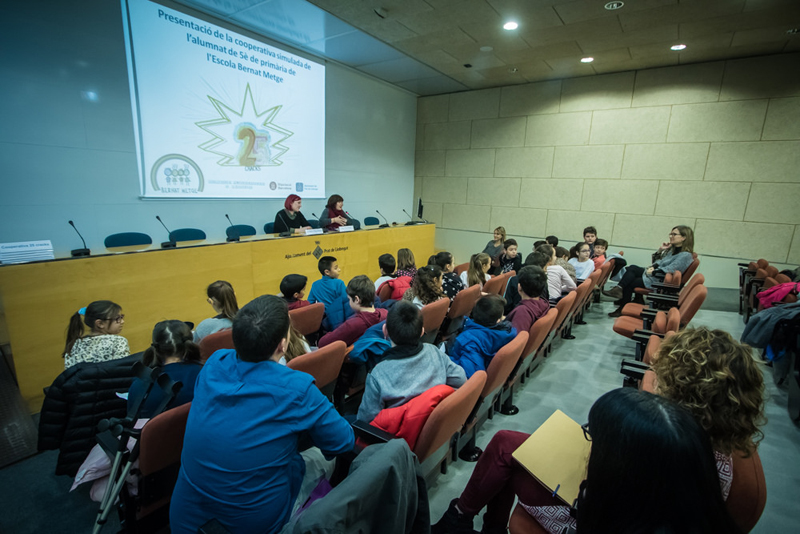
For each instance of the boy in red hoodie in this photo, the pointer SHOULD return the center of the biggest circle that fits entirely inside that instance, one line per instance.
(361, 293)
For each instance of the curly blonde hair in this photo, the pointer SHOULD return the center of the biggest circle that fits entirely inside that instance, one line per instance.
(715, 378)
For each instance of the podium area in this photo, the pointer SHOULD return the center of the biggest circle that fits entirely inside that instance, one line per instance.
(39, 298)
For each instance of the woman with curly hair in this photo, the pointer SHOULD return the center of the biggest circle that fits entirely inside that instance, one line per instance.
(426, 287)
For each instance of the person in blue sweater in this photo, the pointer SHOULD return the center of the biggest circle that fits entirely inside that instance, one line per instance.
(482, 336)
(332, 292)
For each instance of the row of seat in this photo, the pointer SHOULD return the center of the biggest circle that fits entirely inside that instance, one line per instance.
(755, 277)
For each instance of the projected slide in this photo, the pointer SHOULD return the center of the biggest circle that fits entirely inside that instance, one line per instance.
(220, 115)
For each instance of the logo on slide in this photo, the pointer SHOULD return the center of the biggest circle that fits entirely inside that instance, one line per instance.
(299, 187)
(174, 173)
(247, 137)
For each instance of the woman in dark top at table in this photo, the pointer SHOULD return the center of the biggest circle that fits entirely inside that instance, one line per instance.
(334, 216)
(290, 219)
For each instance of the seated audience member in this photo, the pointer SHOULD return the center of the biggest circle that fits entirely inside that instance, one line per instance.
(676, 255)
(426, 288)
(510, 259)
(330, 291)
(536, 244)
(333, 215)
(637, 437)
(482, 336)
(361, 296)
(103, 342)
(551, 240)
(240, 461)
(387, 266)
(291, 219)
(296, 345)
(584, 266)
(174, 352)
(406, 265)
(293, 288)
(558, 281)
(451, 282)
(562, 259)
(589, 237)
(478, 270)
(599, 257)
(531, 282)
(495, 247)
(223, 300)
(409, 368)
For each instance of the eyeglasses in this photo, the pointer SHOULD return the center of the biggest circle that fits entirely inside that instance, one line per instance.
(674, 234)
(586, 435)
(118, 319)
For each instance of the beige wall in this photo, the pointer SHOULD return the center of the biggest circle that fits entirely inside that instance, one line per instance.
(712, 145)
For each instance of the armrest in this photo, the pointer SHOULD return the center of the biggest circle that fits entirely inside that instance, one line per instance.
(743, 264)
(669, 289)
(635, 364)
(643, 336)
(634, 372)
(649, 313)
(370, 433)
(662, 297)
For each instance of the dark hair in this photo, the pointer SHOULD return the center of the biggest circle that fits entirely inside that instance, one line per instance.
(545, 249)
(443, 259)
(363, 288)
(510, 243)
(171, 338)
(573, 252)
(325, 263)
(578, 246)
(537, 244)
(552, 240)
(532, 279)
(539, 259)
(99, 310)
(405, 259)
(488, 309)
(332, 201)
(291, 284)
(259, 327)
(561, 252)
(590, 230)
(425, 285)
(637, 438)
(386, 263)
(222, 292)
(601, 242)
(404, 323)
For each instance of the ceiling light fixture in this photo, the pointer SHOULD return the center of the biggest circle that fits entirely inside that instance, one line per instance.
(611, 6)
(677, 47)
(510, 25)
(587, 59)
(793, 31)
(486, 49)
(513, 70)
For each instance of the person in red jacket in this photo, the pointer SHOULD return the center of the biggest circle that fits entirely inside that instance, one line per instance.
(361, 293)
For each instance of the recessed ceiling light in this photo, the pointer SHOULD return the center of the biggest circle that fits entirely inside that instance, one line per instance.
(677, 47)
(587, 59)
(513, 70)
(793, 31)
(510, 25)
(486, 49)
(611, 6)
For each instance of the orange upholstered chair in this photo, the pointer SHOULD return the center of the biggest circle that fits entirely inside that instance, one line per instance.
(536, 336)
(214, 342)
(634, 309)
(626, 326)
(497, 284)
(433, 315)
(323, 364)
(460, 308)
(308, 319)
(460, 268)
(748, 494)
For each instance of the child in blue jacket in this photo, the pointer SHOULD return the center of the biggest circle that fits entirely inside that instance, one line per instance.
(332, 292)
(482, 336)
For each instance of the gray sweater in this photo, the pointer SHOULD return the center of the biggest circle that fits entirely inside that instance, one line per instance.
(394, 382)
(669, 263)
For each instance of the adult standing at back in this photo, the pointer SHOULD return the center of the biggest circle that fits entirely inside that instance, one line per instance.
(290, 219)
(333, 215)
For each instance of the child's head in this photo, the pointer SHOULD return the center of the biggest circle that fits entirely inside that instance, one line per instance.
(361, 291)
(590, 234)
(427, 285)
(387, 264)
(404, 324)
(600, 247)
(511, 248)
(405, 259)
(478, 265)
(222, 298)
(538, 259)
(261, 328)
(500, 234)
(329, 266)
(444, 260)
(563, 253)
(292, 286)
(102, 316)
(537, 244)
(549, 251)
(488, 310)
(582, 251)
(551, 240)
(532, 280)
(171, 339)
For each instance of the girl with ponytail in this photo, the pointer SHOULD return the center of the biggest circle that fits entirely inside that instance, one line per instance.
(223, 300)
(103, 342)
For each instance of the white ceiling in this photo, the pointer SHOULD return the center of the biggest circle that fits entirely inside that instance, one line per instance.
(425, 45)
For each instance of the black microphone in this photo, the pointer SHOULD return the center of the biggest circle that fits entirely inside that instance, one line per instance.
(233, 237)
(351, 218)
(78, 252)
(288, 231)
(384, 218)
(410, 217)
(170, 243)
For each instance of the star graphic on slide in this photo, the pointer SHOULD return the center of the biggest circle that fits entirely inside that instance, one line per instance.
(245, 137)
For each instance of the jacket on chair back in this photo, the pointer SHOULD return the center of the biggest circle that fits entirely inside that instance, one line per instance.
(78, 399)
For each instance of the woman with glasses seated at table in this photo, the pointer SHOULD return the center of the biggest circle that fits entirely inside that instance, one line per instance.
(333, 215)
(103, 342)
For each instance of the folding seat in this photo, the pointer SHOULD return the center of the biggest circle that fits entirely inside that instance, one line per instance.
(753, 285)
(663, 302)
(128, 239)
(433, 315)
(676, 278)
(497, 284)
(539, 331)
(460, 268)
(460, 308)
(582, 292)
(323, 364)
(210, 344)
(308, 319)
(605, 274)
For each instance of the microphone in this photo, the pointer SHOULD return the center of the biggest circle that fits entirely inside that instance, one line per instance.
(410, 217)
(78, 252)
(233, 237)
(384, 218)
(170, 243)
(288, 231)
